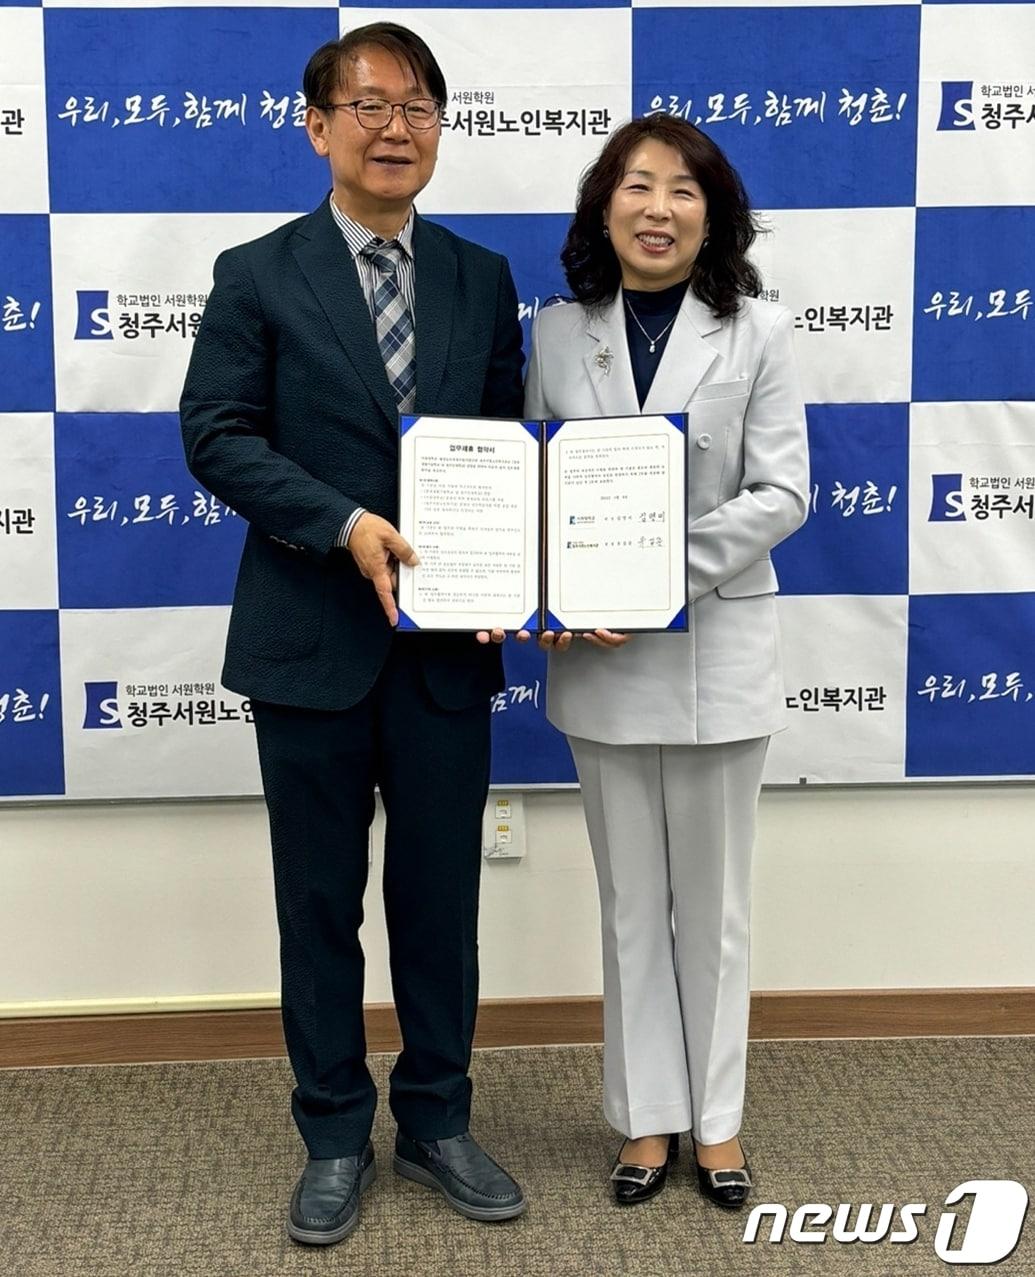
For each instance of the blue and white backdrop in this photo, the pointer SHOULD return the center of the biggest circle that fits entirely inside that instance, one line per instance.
(891, 148)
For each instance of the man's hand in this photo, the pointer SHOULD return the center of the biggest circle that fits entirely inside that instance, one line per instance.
(377, 547)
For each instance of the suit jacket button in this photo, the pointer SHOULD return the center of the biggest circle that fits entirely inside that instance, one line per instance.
(704, 441)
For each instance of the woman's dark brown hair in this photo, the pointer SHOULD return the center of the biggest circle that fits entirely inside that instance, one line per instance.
(721, 274)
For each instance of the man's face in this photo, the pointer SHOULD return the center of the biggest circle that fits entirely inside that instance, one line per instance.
(375, 171)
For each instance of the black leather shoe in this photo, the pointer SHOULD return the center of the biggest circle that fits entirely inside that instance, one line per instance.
(634, 1184)
(725, 1188)
(463, 1173)
(325, 1203)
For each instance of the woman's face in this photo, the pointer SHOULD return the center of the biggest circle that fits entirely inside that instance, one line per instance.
(657, 217)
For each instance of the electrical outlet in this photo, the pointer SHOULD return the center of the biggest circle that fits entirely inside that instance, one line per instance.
(503, 829)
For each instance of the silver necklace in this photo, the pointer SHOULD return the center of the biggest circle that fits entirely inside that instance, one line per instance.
(653, 340)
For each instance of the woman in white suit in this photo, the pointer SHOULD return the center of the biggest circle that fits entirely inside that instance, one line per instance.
(669, 731)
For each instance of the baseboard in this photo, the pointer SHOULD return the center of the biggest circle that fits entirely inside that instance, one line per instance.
(53, 1040)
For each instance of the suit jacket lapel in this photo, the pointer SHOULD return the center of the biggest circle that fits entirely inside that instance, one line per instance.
(685, 359)
(434, 301)
(324, 259)
(607, 360)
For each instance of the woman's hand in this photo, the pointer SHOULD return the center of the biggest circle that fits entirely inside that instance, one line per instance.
(497, 636)
(606, 638)
(549, 641)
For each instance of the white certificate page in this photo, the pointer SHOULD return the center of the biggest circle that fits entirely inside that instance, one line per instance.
(616, 540)
(469, 506)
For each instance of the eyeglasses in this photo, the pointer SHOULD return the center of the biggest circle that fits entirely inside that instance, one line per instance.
(376, 113)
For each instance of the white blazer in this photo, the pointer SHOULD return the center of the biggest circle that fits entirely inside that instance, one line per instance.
(748, 489)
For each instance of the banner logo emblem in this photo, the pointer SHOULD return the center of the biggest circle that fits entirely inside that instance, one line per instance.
(94, 323)
(957, 106)
(946, 499)
(102, 705)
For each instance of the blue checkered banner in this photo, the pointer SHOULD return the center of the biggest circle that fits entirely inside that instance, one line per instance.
(890, 149)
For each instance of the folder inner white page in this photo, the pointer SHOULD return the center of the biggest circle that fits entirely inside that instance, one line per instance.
(616, 544)
(470, 508)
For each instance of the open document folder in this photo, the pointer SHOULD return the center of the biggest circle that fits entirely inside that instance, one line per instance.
(544, 525)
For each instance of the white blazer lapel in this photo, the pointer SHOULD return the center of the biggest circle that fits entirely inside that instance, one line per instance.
(607, 361)
(685, 359)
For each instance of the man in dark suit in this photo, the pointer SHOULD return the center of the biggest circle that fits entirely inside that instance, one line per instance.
(315, 337)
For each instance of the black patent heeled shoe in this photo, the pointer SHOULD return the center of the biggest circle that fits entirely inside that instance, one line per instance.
(727, 1188)
(634, 1184)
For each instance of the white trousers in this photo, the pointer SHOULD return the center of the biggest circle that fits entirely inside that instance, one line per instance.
(672, 828)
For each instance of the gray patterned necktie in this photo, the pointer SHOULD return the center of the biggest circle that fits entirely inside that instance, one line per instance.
(394, 323)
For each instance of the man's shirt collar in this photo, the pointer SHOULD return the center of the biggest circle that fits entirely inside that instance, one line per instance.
(357, 236)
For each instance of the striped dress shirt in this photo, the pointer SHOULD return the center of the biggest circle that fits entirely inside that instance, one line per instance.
(357, 238)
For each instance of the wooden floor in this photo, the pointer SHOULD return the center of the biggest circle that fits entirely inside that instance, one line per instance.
(224, 1035)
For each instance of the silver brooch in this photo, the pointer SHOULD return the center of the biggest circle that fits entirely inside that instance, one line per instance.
(604, 358)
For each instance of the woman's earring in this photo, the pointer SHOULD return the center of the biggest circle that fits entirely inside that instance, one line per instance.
(704, 242)
(607, 233)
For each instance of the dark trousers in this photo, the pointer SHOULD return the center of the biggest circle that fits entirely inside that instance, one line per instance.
(319, 770)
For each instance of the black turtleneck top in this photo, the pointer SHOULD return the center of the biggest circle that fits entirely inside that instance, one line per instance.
(656, 311)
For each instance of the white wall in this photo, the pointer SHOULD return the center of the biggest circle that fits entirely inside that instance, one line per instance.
(863, 888)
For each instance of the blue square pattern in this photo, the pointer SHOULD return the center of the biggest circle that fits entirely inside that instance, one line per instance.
(531, 242)
(135, 529)
(31, 744)
(816, 107)
(26, 314)
(970, 685)
(974, 327)
(180, 110)
(856, 538)
(526, 749)
(492, 4)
